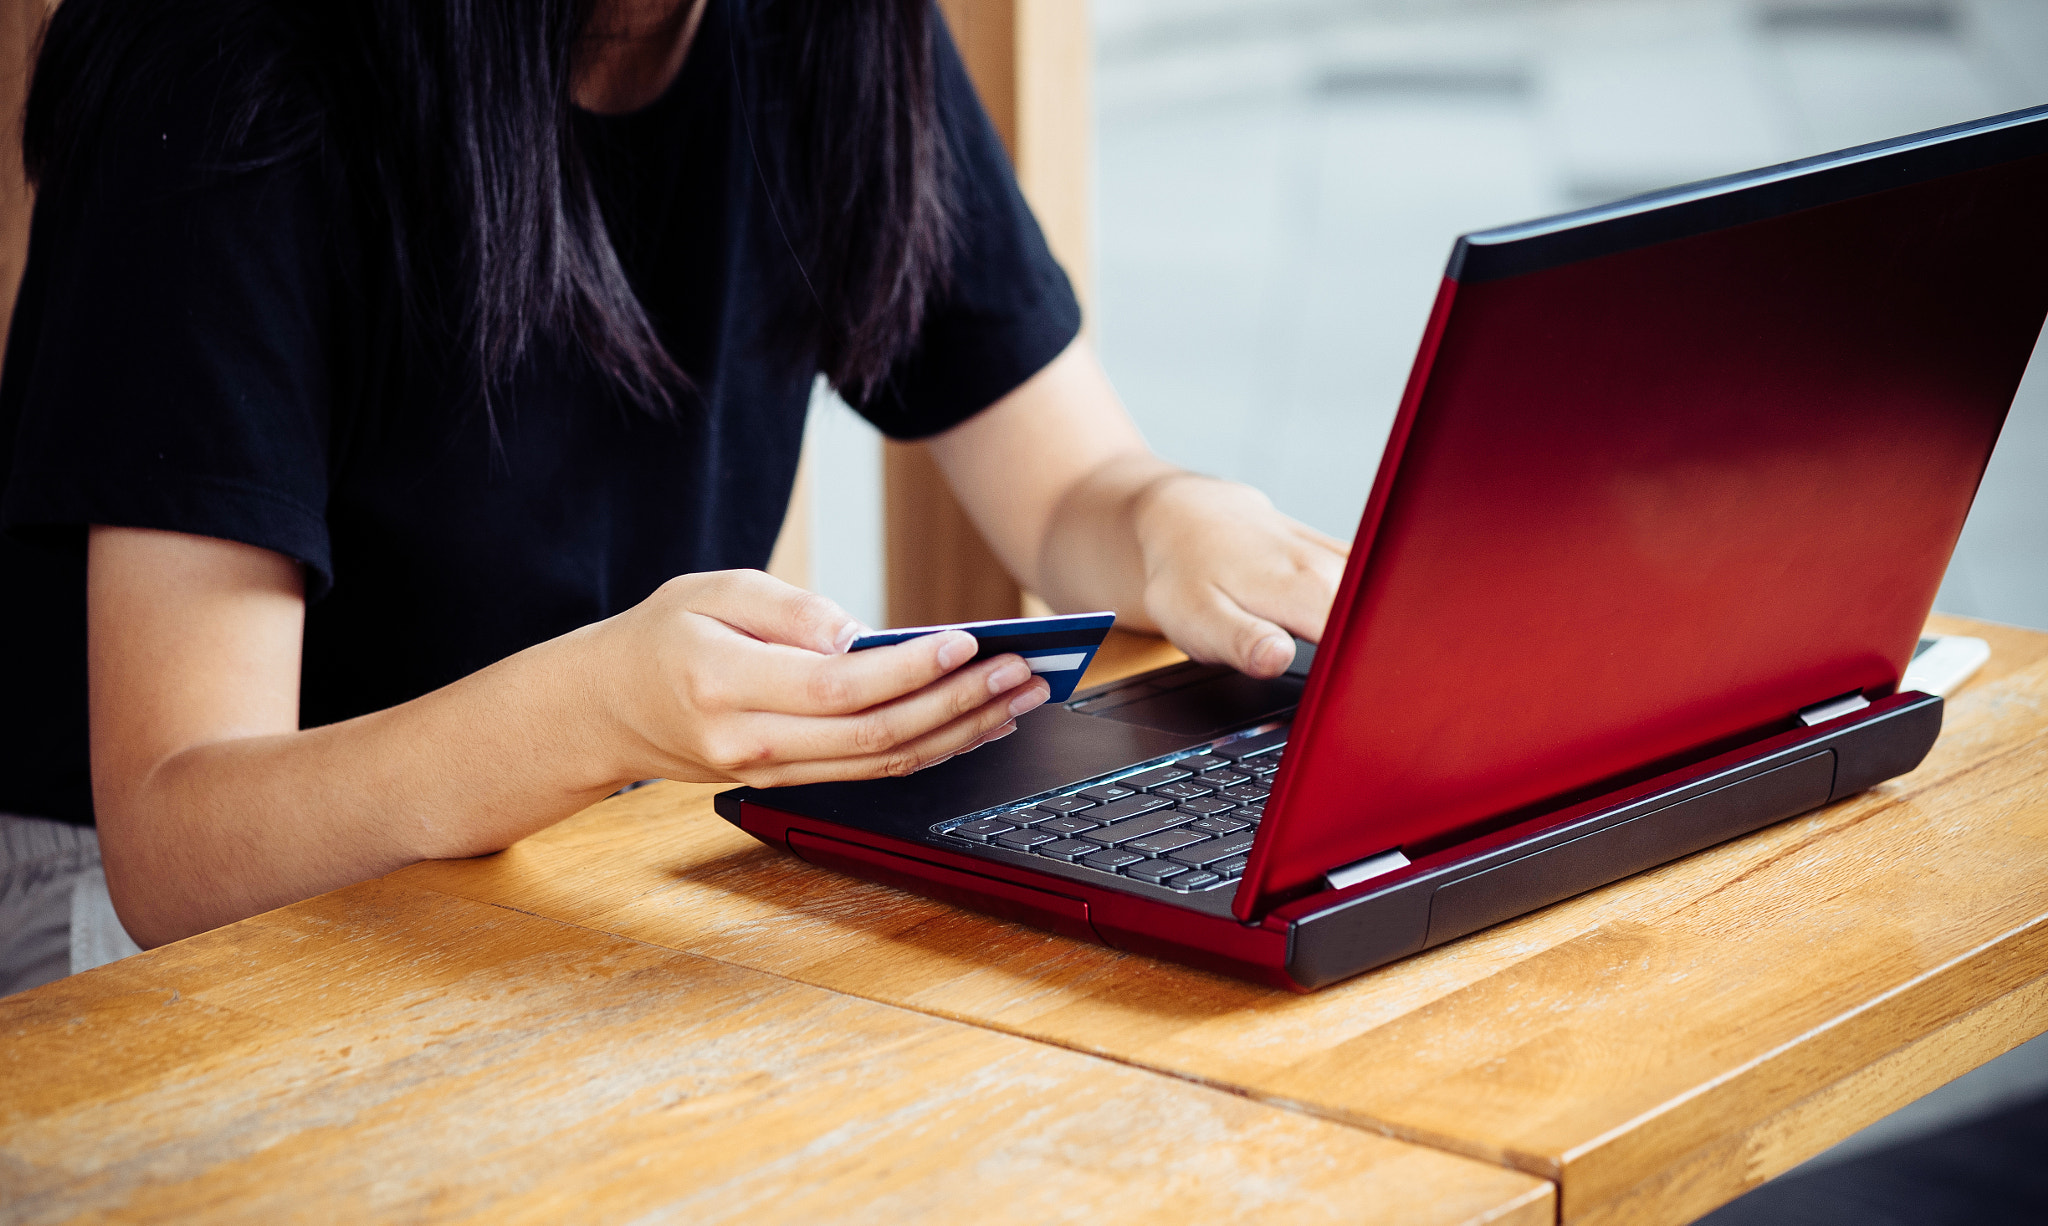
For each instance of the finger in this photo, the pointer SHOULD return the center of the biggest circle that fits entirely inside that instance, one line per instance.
(892, 725)
(1214, 629)
(983, 739)
(955, 737)
(987, 737)
(768, 609)
(812, 674)
(1322, 539)
(775, 678)
(1295, 590)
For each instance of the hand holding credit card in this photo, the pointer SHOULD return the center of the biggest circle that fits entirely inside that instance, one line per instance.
(1057, 648)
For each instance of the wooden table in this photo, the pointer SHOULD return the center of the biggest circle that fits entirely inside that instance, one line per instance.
(642, 1009)
(392, 1053)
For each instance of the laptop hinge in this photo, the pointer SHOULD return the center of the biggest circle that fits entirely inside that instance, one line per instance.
(1366, 869)
(1833, 708)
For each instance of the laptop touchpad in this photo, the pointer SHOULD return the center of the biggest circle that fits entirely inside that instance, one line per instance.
(1193, 700)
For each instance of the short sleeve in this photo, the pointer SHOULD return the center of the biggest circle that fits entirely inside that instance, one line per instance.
(1008, 309)
(168, 365)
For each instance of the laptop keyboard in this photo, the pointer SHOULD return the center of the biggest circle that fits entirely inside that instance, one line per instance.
(1186, 825)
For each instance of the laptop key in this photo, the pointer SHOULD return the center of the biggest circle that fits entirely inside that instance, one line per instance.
(1215, 850)
(1138, 827)
(1206, 806)
(1065, 825)
(1165, 841)
(1185, 789)
(1023, 840)
(1216, 825)
(1103, 793)
(1198, 879)
(981, 830)
(1222, 778)
(1246, 793)
(1154, 871)
(1129, 806)
(1110, 859)
(1067, 849)
(1253, 746)
(1068, 804)
(1154, 778)
(1203, 762)
(1230, 867)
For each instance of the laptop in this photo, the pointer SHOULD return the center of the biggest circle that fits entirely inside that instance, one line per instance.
(1652, 541)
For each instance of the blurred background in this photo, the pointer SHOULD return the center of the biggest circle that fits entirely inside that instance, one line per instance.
(1279, 183)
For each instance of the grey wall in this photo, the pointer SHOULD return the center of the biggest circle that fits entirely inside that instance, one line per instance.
(1280, 181)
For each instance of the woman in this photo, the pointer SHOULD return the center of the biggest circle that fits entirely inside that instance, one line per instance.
(401, 390)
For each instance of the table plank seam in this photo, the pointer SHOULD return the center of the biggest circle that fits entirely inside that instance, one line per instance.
(1361, 1123)
(155, 1141)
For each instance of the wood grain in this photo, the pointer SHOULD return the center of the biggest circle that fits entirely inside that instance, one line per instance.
(1124, 653)
(21, 22)
(938, 569)
(383, 1053)
(790, 561)
(1032, 63)
(2013, 649)
(1658, 1046)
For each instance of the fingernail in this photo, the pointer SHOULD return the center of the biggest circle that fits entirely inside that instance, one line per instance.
(999, 733)
(844, 639)
(948, 758)
(1276, 651)
(956, 648)
(1026, 702)
(1008, 677)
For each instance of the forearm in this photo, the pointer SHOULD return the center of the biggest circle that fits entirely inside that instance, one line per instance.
(213, 805)
(1052, 476)
(1062, 486)
(1090, 556)
(228, 828)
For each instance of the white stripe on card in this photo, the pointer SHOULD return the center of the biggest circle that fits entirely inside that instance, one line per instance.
(1057, 664)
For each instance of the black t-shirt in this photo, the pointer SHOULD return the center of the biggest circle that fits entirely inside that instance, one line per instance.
(195, 350)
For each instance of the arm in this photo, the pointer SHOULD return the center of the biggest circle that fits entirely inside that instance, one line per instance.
(213, 804)
(1061, 484)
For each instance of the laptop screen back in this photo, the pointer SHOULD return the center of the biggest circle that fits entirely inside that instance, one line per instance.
(1666, 472)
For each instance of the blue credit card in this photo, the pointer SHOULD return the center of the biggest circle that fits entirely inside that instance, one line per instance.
(1057, 648)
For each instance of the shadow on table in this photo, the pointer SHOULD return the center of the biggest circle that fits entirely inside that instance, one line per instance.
(789, 913)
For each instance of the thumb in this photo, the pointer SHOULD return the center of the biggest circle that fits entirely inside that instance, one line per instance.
(756, 603)
(1226, 634)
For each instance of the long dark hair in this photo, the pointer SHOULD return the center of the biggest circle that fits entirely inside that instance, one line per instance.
(452, 119)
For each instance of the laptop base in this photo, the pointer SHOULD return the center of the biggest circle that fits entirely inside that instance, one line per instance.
(1310, 942)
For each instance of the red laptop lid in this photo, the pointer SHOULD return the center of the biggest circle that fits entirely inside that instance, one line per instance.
(1665, 473)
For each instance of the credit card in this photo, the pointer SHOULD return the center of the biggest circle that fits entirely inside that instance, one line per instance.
(1057, 648)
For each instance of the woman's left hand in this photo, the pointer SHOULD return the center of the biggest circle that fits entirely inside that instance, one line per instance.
(1227, 577)
(1062, 486)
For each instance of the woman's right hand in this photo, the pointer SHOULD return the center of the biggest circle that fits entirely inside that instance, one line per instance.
(213, 803)
(735, 676)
